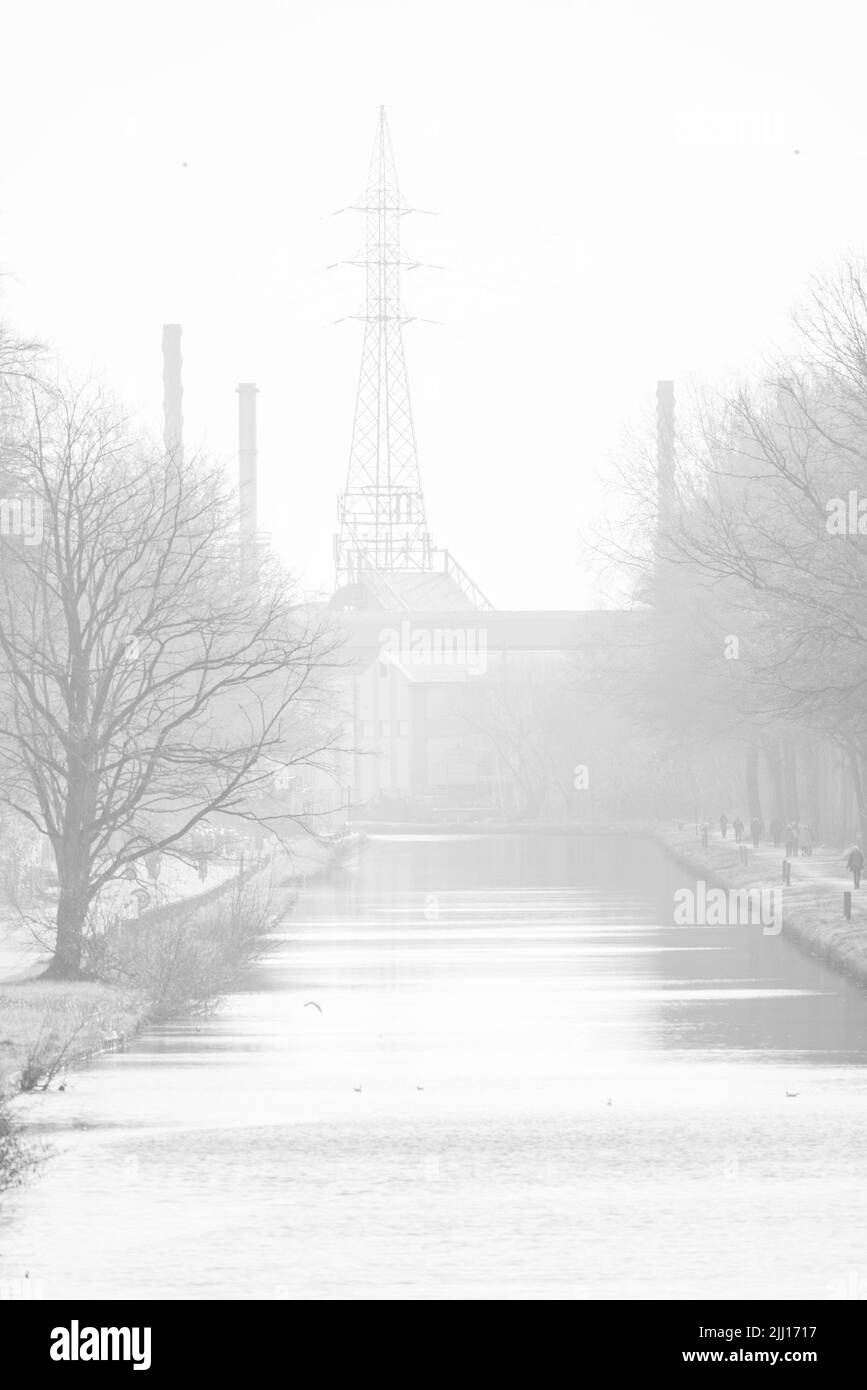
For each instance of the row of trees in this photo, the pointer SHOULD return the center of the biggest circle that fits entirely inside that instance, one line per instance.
(754, 669)
(558, 747)
(152, 674)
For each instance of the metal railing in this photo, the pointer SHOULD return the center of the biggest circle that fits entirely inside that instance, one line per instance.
(443, 562)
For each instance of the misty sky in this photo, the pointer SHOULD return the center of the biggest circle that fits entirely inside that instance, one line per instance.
(620, 199)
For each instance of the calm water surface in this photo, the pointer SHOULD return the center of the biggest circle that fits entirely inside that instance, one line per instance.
(561, 1096)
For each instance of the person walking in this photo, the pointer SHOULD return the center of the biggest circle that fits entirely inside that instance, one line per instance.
(790, 840)
(755, 831)
(776, 831)
(738, 828)
(807, 840)
(724, 825)
(855, 864)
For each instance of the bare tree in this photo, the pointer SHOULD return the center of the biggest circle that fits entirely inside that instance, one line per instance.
(529, 718)
(509, 714)
(150, 672)
(748, 550)
(18, 359)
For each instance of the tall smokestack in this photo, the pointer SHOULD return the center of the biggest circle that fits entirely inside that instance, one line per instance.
(664, 450)
(173, 392)
(665, 493)
(247, 392)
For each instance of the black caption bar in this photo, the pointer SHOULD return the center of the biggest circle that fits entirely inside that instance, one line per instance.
(153, 1341)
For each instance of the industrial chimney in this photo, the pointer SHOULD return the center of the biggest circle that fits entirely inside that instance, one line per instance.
(173, 419)
(665, 494)
(247, 392)
(664, 450)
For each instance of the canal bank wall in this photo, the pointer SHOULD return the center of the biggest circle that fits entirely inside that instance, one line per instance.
(812, 903)
(49, 1027)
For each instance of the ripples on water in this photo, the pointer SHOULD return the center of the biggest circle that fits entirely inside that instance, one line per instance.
(562, 1096)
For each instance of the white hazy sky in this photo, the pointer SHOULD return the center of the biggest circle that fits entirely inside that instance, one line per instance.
(619, 198)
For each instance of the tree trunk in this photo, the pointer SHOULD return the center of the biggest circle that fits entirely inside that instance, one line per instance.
(71, 917)
(813, 788)
(534, 800)
(790, 770)
(751, 768)
(848, 801)
(855, 764)
(771, 750)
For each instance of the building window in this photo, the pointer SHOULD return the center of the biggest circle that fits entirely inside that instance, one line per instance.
(383, 728)
(402, 728)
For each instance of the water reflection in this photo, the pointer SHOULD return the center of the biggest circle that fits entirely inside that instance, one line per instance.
(561, 1095)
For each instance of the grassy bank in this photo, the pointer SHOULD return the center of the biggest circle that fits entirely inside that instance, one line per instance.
(172, 961)
(46, 1026)
(812, 904)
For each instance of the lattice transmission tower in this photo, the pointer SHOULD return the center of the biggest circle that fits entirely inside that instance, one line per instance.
(383, 529)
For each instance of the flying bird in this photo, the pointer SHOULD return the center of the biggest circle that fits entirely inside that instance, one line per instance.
(311, 1004)
(357, 1089)
(792, 1094)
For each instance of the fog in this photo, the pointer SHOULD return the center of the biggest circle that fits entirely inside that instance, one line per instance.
(619, 198)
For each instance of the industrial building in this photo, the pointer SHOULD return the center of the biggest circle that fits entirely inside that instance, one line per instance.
(441, 693)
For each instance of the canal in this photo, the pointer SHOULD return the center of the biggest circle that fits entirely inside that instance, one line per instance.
(472, 1066)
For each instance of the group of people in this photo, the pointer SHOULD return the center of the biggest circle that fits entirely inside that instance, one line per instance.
(738, 828)
(797, 838)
